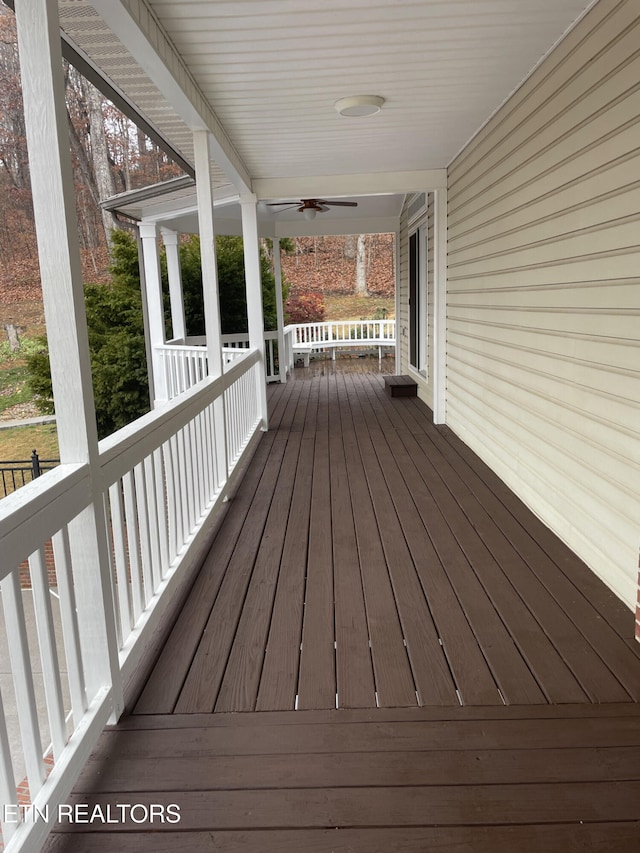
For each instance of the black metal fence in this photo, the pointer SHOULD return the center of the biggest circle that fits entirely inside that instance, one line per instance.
(16, 472)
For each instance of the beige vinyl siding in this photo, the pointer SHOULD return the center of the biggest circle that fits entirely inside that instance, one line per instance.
(543, 309)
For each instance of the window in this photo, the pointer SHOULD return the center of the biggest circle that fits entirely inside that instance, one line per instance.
(418, 327)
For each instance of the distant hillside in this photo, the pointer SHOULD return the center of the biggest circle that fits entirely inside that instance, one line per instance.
(327, 265)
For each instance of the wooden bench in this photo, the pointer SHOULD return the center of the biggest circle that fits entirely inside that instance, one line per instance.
(304, 351)
(400, 386)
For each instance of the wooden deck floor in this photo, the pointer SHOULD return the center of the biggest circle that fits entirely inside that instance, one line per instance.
(439, 671)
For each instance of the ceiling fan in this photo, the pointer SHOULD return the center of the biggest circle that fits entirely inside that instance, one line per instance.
(310, 206)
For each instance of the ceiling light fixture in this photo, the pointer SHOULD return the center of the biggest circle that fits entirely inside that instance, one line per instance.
(309, 213)
(358, 106)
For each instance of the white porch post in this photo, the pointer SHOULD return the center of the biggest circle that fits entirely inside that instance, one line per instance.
(208, 251)
(253, 281)
(60, 269)
(277, 273)
(155, 306)
(440, 307)
(210, 289)
(174, 274)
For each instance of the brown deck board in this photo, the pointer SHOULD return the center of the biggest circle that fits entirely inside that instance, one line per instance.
(200, 688)
(424, 713)
(368, 769)
(434, 506)
(317, 676)
(472, 675)
(390, 540)
(545, 554)
(591, 673)
(279, 677)
(239, 687)
(254, 738)
(354, 672)
(546, 662)
(406, 806)
(588, 670)
(359, 521)
(430, 670)
(568, 838)
(612, 609)
(163, 686)
(393, 677)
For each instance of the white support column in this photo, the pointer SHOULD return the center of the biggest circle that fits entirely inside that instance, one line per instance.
(210, 289)
(397, 351)
(155, 307)
(148, 349)
(174, 274)
(253, 283)
(277, 274)
(440, 308)
(60, 269)
(208, 252)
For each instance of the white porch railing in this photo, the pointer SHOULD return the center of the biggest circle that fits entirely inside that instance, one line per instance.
(185, 363)
(239, 341)
(345, 332)
(184, 366)
(158, 480)
(303, 338)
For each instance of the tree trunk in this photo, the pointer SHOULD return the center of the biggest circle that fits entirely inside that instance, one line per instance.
(99, 154)
(361, 266)
(12, 335)
(350, 246)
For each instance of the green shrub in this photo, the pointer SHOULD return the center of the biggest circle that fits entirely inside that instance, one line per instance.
(231, 281)
(116, 343)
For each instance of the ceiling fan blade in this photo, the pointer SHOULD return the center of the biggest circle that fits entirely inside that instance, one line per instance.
(283, 209)
(341, 203)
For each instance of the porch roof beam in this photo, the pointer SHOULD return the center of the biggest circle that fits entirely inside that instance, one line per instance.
(333, 227)
(116, 202)
(168, 209)
(321, 186)
(135, 24)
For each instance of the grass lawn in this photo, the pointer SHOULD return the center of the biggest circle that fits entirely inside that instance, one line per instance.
(13, 386)
(350, 307)
(18, 442)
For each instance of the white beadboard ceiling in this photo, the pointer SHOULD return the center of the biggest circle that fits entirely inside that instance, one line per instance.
(271, 71)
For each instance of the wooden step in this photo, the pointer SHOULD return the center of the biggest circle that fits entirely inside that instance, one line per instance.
(400, 386)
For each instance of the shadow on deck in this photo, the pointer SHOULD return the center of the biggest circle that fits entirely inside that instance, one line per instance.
(421, 664)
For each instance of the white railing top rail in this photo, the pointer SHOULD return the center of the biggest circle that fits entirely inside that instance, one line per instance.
(44, 505)
(120, 451)
(347, 331)
(172, 347)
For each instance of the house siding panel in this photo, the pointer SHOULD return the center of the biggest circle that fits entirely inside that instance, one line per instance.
(544, 292)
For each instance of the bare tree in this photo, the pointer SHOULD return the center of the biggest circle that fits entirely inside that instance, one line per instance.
(361, 266)
(350, 246)
(99, 153)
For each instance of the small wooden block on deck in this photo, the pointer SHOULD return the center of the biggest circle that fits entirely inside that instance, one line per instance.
(400, 386)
